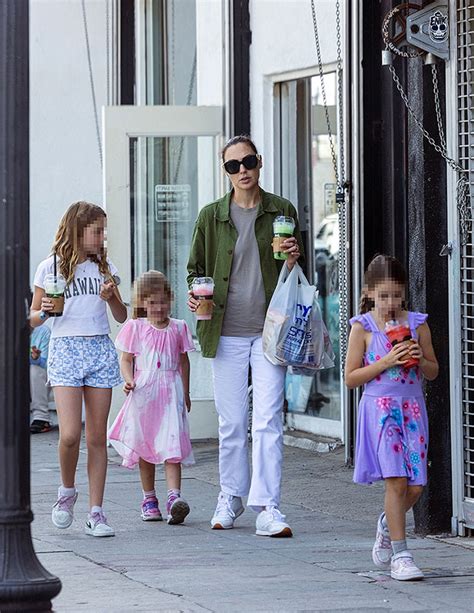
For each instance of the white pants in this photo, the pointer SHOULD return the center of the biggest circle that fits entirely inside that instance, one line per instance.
(39, 393)
(230, 373)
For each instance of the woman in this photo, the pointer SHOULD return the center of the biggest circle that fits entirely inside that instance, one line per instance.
(232, 243)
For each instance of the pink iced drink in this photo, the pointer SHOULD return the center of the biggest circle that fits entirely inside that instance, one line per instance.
(203, 290)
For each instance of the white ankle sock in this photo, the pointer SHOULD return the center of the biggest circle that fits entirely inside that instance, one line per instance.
(399, 546)
(150, 494)
(96, 509)
(66, 491)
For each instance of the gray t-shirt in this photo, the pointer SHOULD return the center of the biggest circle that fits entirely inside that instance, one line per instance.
(246, 304)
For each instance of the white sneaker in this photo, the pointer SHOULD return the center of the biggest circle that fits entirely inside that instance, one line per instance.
(96, 525)
(271, 522)
(382, 549)
(227, 510)
(63, 511)
(403, 568)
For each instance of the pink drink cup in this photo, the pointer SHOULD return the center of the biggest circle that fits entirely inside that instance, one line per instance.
(204, 292)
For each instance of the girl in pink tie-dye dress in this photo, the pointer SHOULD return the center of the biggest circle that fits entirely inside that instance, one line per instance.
(152, 426)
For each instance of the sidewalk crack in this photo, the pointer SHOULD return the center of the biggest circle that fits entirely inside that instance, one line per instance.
(124, 573)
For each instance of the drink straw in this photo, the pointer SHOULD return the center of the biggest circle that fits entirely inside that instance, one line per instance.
(55, 265)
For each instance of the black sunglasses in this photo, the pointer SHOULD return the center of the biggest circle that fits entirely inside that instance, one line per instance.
(249, 161)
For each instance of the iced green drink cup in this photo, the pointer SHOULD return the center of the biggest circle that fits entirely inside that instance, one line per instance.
(54, 286)
(283, 228)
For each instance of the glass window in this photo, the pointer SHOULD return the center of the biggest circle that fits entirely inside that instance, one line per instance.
(306, 175)
(183, 62)
(166, 194)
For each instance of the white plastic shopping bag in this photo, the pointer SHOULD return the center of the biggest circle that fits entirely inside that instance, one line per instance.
(294, 333)
(280, 310)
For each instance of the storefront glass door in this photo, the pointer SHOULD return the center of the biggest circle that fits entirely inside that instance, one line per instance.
(306, 177)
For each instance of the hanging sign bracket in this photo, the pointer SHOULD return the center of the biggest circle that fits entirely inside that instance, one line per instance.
(428, 29)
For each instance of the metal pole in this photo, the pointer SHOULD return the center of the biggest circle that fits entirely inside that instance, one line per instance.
(353, 104)
(24, 584)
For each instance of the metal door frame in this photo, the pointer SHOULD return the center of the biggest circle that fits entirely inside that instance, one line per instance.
(462, 507)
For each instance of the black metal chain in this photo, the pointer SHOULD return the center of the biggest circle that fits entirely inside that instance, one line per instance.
(462, 184)
(91, 81)
(339, 176)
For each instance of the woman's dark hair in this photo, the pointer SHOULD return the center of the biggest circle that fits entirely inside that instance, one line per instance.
(382, 267)
(235, 140)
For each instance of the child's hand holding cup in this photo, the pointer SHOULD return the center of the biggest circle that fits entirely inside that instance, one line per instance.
(54, 286)
(400, 334)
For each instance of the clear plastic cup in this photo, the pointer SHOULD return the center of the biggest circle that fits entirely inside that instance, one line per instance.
(203, 290)
(283, 228)
(54, 286)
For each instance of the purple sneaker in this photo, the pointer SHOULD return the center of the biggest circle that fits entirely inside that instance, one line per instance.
(177, 509)
(151, 510)
(63, 511)
(96, 525)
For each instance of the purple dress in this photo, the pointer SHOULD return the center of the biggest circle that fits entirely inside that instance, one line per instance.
(392, 424)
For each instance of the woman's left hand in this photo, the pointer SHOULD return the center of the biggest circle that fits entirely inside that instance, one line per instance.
(291, 247)
(107, 291)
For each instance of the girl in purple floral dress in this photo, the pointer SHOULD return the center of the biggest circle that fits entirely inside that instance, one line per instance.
(392, 429)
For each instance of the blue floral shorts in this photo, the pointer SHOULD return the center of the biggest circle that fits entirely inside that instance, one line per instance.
(77, 361)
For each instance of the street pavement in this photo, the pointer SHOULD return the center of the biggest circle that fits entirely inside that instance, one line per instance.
(150, 566)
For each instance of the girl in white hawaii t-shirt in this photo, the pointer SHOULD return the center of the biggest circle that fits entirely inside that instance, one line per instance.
(82, 362)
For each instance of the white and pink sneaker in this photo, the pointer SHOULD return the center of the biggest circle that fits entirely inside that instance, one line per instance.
(63, 511)
(382, 549)
(96, 525)
(403, 568)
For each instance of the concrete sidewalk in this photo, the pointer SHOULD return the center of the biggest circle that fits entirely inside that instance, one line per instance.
(155, 567)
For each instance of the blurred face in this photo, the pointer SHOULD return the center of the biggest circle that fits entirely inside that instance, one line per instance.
(157, 306)
(93, 237)
(244, 179)
(388, 296)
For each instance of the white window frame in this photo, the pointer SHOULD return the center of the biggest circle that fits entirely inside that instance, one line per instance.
(309, 423)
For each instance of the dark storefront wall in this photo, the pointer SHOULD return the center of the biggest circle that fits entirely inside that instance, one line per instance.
(405, 215)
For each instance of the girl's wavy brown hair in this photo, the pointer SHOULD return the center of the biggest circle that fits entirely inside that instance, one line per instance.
(69, 236)
(149, 284)
(381, 268)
